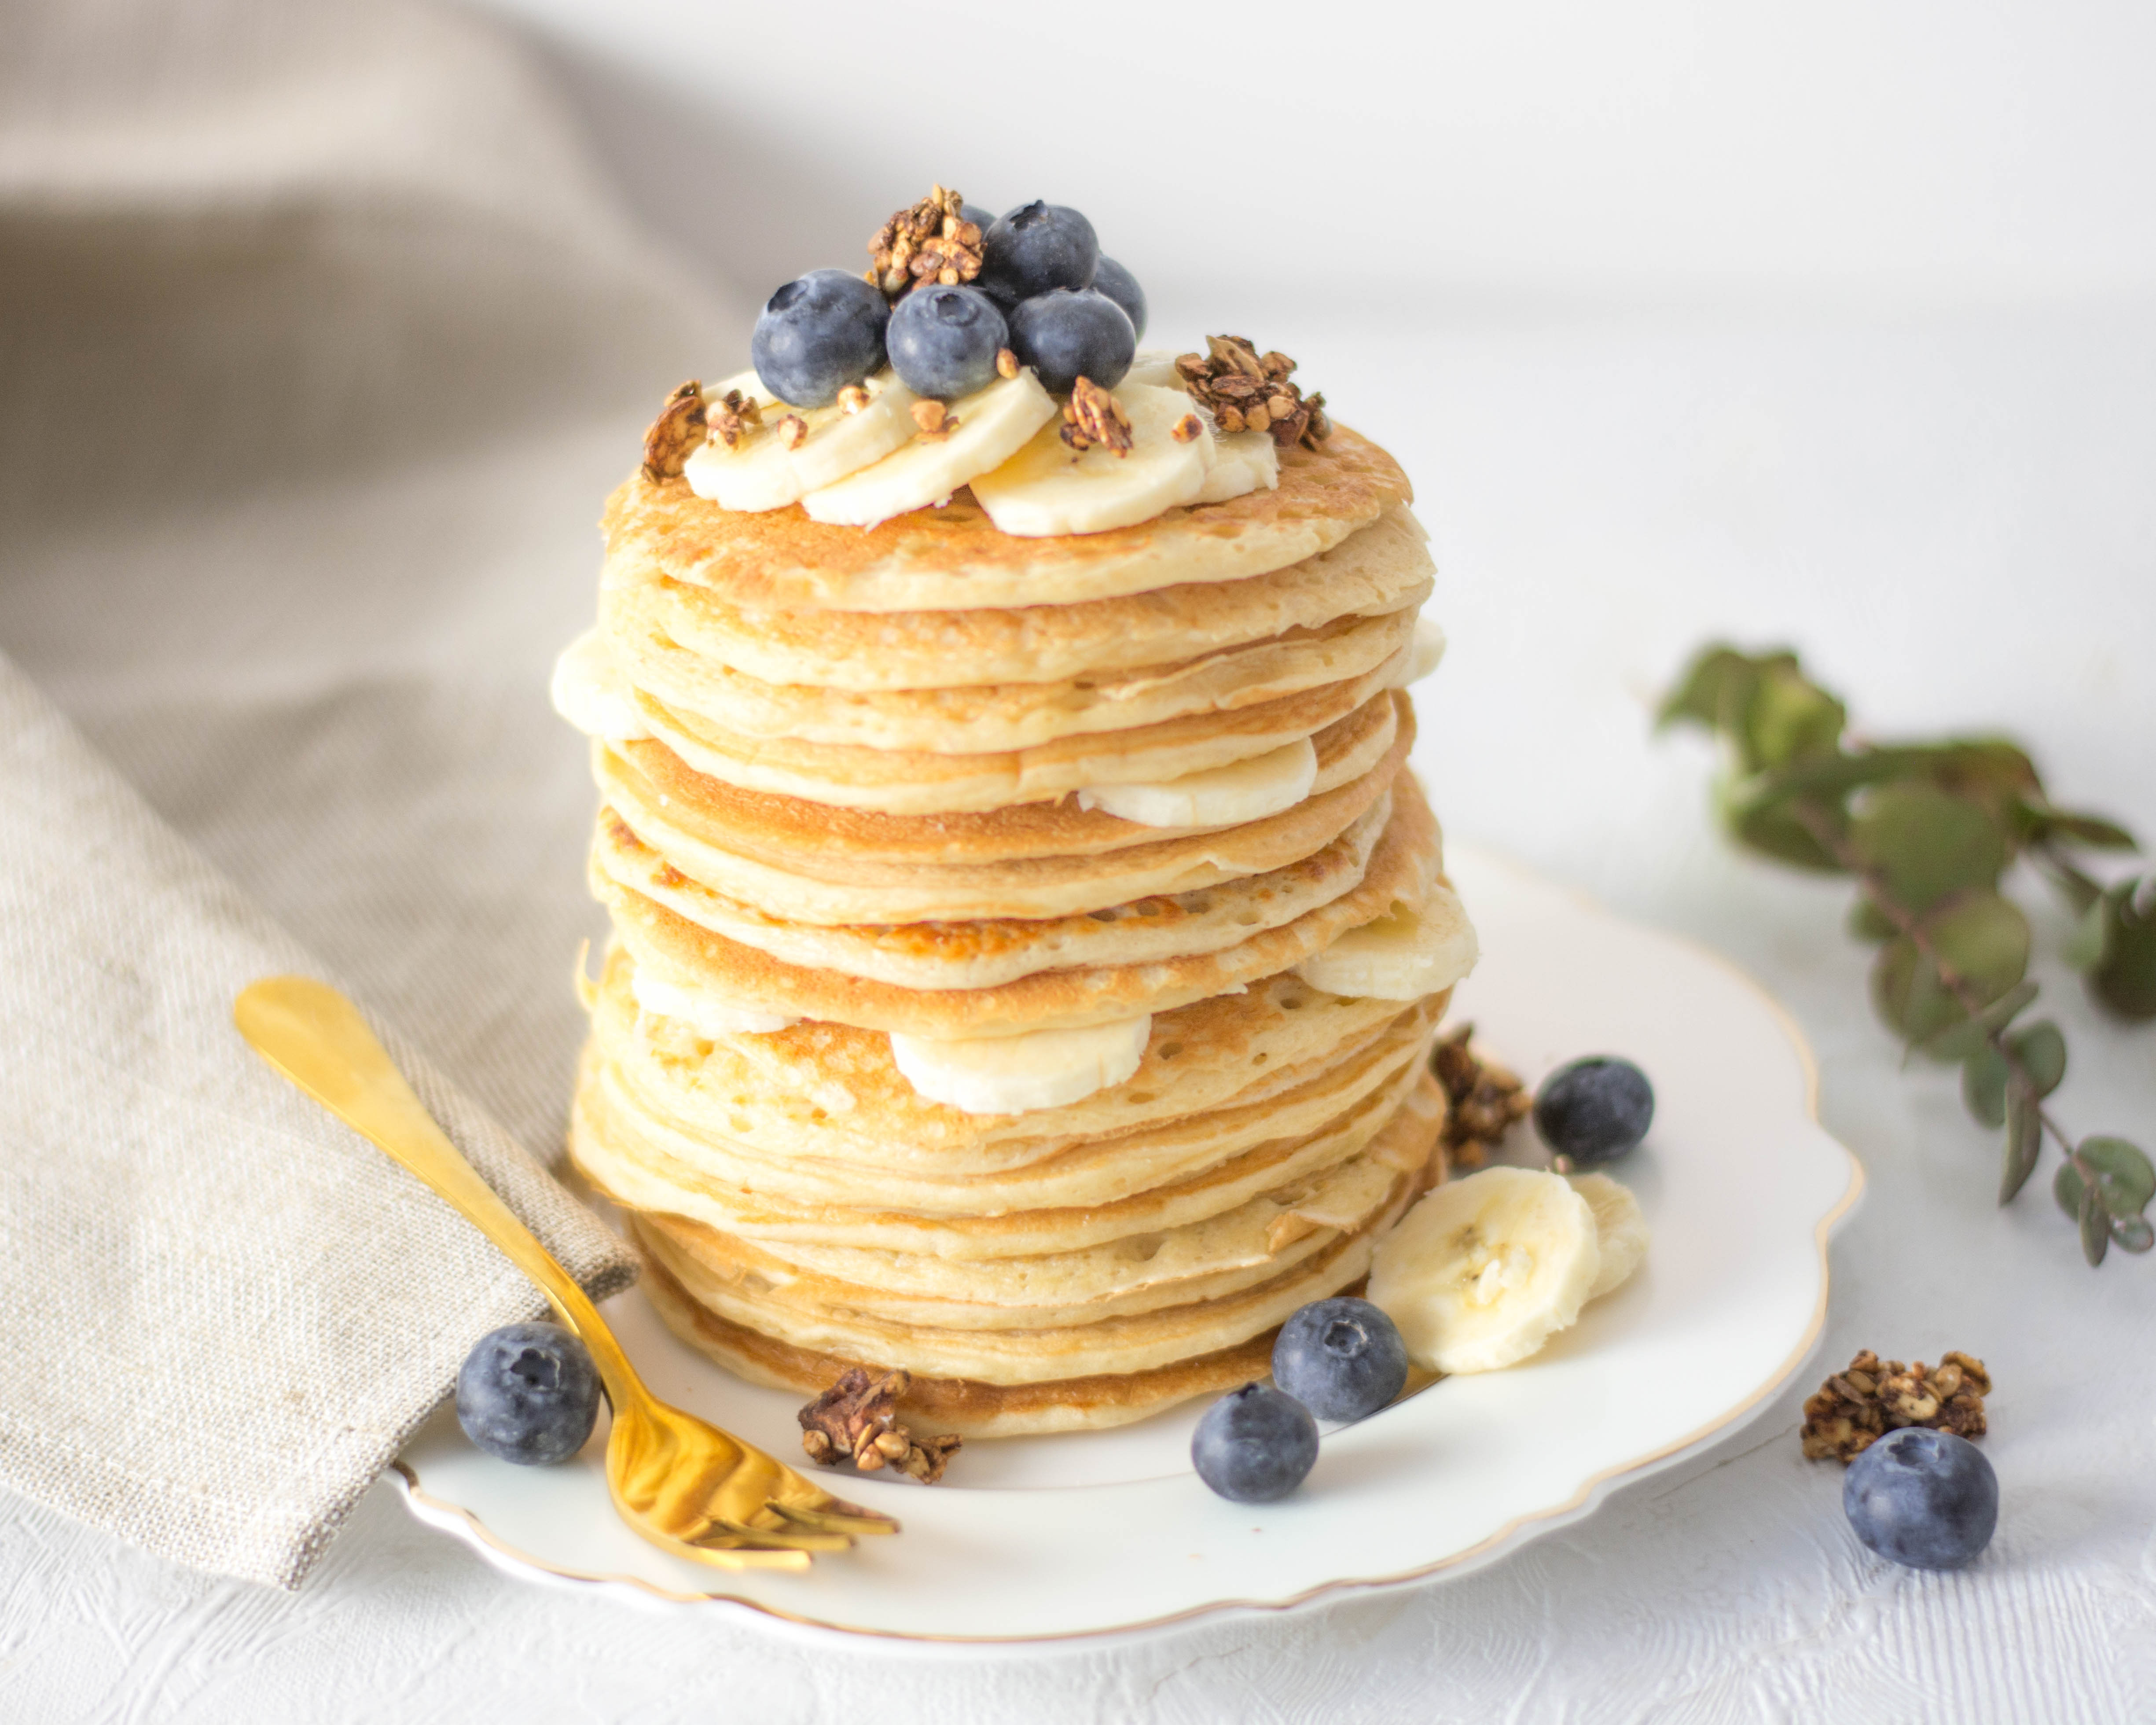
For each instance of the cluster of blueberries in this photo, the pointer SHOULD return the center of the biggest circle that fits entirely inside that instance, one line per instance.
(1044, 291)
(530, 1393)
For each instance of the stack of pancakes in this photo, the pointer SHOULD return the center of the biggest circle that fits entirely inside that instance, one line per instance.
(845, 777)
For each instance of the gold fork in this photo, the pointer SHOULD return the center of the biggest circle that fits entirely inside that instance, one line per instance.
(685, 1485)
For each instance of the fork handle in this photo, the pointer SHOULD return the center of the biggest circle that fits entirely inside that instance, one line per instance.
(317, 1039)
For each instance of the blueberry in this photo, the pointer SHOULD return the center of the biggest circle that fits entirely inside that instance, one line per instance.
(1037, 247)
(943, 340)
(1066, 335)
(817, 336)
(1254, 1445)
(1928, 1499)
(1119, 284)
(528, 1393)
(1341, 1358)
(1594, 1110)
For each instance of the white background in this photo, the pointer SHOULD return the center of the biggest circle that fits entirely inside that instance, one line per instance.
(1832, 324)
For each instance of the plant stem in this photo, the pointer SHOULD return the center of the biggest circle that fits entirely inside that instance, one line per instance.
(1814, 819)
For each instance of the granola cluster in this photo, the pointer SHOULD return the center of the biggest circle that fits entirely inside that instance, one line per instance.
(676, 435)
(1856, 1406)
(856, 1420)
(1094, 417)
(930, 241)
(1248, 390)
(1483, 1099)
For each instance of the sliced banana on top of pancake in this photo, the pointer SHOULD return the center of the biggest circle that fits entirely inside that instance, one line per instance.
(981, 431)
(1218, 796)
(776, 464)
(1047, 488)
(1017, 1075)
(1414, 952)
(1246, 461)
(704, 1013)
(1484, 1270)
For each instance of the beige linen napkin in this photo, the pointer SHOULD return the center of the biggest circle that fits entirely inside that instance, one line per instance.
(223, 1311)
(320, 343)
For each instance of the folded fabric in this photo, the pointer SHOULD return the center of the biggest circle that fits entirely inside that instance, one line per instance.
(221, 1311)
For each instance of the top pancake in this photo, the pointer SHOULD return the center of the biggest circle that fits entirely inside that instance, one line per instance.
(955, 559)
(1382, 569)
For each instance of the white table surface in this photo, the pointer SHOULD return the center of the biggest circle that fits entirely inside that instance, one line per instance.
(1953, 518)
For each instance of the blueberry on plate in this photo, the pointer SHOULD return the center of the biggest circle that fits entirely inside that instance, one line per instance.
(1254, 1445)
(818, 334)
(943, 340)
(1067, 334)
(1037, 247)
(528, 1394)
(1594, 1110)
(1341, 1358)
(1925, 1498)
(1119, 284)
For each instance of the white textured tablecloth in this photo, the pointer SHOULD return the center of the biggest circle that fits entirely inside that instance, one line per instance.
(1952, 516)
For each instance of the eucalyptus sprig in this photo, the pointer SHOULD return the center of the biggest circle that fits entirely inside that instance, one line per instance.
(1930, 832)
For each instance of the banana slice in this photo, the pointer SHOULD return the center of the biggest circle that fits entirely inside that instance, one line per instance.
(1245, 461)
(767, 472)
(1484, 1270)
(1155, 366)
(589, 690)
(1045, 489)
(1219, 797)
(1016, 1074)
(1425, 654)
(992, 425)
(1414, 952)
(706, 1014)
(1619, 1229)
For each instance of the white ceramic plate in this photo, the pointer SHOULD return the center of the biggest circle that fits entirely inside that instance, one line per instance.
(1049, 1538)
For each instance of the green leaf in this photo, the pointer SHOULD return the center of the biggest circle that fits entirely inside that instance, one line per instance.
(1985, 939)
(2084, 947)
(2124, 978)
(1957, 1042)
(2049, 825)
(1868, 922)
(1984, 1076)
(1982, 938)
(1788, 717)
(2132, 1234)
(2042, 1052)
(2125, 1179)
(1927, 844)
(1713, 690)
(1771, 827)
(2025, 1143)
(2095, 1228)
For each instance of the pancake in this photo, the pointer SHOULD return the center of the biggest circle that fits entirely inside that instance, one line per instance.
(809, 863)
(1223, 1254)
(1116, 1196)
(985, 954)
(922, 781)
(1400, 872)
(1381, 568)
(954, 559)
(955, 1405)
(1000, 717)
(628, 1141)
(821, 1092)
